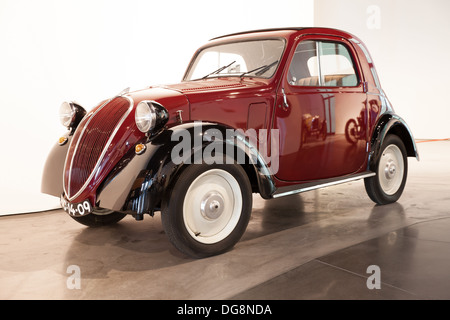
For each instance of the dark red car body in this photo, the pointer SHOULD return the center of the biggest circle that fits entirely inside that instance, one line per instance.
(98, 161)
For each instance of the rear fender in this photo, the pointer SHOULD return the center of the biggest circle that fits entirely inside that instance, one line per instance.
(390, 124)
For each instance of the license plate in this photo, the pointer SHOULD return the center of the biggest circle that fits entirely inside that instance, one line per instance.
(76, 209)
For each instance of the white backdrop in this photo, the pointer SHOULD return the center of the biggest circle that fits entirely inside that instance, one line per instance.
(409, 43)
(51, 51)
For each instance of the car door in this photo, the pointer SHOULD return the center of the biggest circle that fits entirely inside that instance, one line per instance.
(321, 111)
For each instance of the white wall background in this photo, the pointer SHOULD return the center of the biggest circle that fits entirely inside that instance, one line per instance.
(409, 43)
(51, 51)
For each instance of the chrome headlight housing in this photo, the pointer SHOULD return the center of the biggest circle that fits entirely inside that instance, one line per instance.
(145, 116)
(150, 116)
(66, 114)
(71, 114)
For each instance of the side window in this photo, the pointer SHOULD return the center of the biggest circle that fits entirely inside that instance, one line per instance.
(323, 64)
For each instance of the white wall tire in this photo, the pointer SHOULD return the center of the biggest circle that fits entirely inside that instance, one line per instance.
(390, 169)
(208, 209)
(391, 172)
(212, 206)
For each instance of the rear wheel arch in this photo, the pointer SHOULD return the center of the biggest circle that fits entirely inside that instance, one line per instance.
(390, 124)
(402, 132)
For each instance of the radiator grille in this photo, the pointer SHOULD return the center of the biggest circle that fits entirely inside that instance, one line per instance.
(89, 142)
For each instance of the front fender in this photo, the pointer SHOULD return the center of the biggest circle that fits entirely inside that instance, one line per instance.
(52, 176)
(138, 183)
(391, 124)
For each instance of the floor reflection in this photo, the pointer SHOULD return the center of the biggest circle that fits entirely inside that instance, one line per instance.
(386, 214)
(126, 246)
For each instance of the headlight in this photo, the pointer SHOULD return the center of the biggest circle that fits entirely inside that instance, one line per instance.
(150, 116)
(66, 114)
(71, 114)
(145, 116)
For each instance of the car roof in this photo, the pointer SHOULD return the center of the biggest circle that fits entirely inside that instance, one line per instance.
(260, 30)
(290, 30)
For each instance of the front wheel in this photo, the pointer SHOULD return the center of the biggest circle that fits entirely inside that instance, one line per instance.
(208, 209)
(100, 217)
(392, 168)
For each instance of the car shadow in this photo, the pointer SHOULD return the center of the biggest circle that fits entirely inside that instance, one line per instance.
(126, 246)
(142, 245)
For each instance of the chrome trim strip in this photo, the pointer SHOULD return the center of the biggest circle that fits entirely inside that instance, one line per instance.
(327, 184)
(104, 149)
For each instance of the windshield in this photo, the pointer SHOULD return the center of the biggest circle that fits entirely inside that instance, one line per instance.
(256, 58)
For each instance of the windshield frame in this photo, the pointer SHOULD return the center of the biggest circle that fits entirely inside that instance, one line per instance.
(252, 39)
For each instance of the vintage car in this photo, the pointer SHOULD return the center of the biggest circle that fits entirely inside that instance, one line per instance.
(267, 111)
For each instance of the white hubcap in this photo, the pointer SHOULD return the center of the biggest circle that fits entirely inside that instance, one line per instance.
(212, 206)
(390, 169)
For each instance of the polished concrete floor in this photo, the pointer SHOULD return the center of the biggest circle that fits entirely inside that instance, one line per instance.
(316, 245)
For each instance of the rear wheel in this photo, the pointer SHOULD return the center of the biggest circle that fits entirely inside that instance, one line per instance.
(392, 169)
(208, 209)
(100, 217)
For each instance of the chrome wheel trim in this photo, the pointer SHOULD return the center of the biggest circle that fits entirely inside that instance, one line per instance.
(212, 206)
(391, 169)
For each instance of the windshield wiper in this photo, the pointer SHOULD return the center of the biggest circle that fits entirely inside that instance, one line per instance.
(262, 69)
(218, 70)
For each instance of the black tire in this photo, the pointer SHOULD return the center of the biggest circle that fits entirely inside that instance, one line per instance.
(100, 218)
(390, 179)
(197, 207)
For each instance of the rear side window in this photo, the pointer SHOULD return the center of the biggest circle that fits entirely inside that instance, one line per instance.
(322, 64)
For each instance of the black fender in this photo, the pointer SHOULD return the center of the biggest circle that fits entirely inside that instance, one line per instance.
(52, 176)
(390, 123)
(138, 183)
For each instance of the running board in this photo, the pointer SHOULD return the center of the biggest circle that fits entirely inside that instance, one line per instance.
(308, 186)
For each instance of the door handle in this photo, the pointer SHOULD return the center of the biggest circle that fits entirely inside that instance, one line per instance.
(285, 103)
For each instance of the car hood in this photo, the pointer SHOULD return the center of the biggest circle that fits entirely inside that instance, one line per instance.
(179, 98)
(208, 85)
(172, 100)
(175, 94)
(217, 85)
